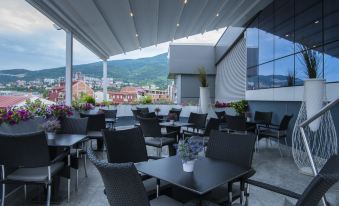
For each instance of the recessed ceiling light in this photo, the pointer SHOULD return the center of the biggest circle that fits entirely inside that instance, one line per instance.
(131, 14)
(185, 1)
(178, 25)
(287, 35)
(217, 15)
(316, 21)
(136, 35)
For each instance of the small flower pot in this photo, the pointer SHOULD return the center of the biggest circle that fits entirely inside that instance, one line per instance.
(188, 166)
(50, 135)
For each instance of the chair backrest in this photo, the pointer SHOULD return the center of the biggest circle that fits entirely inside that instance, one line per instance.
(24, 150)
(321, 183)
(136, 114)
(263, 117)
(212, 124)
(175, 111)
(150, 127)
(122, 182)
(72, 125)
(221, 115)
(109, 113)
(234, 148)
(23, 127)
(198, 120)
(148, 115)
(285, 122)
(143, 110)
(236, 123)
(96, 122)
(125, 145)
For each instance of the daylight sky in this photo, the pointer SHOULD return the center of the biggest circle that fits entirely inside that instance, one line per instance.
(28, 40)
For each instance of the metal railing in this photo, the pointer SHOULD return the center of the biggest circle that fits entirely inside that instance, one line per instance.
(325, 109)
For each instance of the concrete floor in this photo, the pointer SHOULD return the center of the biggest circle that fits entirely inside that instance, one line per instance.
(270, 167)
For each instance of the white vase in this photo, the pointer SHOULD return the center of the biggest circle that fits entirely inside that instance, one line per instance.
(205, 99)
(188, 166)
(50, 135)
(314, 90)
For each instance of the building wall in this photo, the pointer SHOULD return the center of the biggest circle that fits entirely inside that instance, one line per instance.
(190, 88)
(230, 83)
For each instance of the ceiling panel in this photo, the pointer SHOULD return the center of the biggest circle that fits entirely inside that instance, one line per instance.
(111, 27)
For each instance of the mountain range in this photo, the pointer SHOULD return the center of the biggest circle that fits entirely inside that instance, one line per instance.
(143, 71)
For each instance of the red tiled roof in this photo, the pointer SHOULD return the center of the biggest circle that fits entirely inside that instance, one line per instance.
(9, 101)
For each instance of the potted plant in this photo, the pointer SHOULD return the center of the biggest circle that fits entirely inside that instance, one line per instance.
(204, 90)
(240, 107)
(314, 86)
(188, 151)
(50, 127)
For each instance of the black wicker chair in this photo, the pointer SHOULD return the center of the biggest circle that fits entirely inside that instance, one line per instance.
(152, 131)
(110, 116)
(96, 123)
(197, 120)
(71, 125)
(143, 110)
(212, 124)
(28, 154)
(278, 132)
(175, 111)
(238, 124)
(123, 185)
(221, 116)
(129, 146)
(234, 148)
(327, 177)
(263, 117)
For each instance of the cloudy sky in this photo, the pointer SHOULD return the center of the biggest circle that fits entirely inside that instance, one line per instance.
(28, 40)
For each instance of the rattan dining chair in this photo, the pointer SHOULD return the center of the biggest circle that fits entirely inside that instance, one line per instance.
(151, 130)
(234, 148)
(96, 123)
(71, 125)
(123, 185)
(312, 195)
(29, 155)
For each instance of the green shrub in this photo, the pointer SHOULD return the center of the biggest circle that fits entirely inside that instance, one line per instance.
(87, 99)
(240, 107)
(146, 100)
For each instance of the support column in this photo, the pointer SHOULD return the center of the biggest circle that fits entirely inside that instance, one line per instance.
(104, 79)
(69, 67)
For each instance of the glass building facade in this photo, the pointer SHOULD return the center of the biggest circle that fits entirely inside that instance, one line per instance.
(276, 37)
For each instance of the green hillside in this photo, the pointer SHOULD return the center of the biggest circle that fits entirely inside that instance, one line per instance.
(152, 70)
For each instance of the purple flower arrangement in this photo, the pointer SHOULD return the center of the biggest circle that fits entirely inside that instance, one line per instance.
(189, 149)
(58, 111)
(13, 116)
(86, 106)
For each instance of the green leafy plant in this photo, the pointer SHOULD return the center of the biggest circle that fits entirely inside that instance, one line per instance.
(311, 60)
(87, 99)
(240, 107)
(290, 79)
(146, 100)
(202, 77)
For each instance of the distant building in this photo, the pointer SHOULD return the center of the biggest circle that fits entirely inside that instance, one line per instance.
(11, 101)
(57, 93)
(126, 95)
(157, 95)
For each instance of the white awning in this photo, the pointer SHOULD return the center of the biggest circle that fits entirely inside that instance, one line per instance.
(111, 27)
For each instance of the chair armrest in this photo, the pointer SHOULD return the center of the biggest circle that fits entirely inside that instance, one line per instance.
(60, 157)
(273, 188)
(154, 158)
(172, 134)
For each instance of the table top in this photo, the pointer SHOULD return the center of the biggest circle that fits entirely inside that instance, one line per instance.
(208, 173)
(176, 124)
(65, 140)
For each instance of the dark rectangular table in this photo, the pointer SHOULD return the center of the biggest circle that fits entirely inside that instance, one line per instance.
(208, 173)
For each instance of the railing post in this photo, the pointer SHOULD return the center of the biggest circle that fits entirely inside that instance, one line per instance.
(69, 67)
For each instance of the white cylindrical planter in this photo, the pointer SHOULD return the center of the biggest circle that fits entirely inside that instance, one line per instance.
(205, 99)
(188, 166)
(314, 90)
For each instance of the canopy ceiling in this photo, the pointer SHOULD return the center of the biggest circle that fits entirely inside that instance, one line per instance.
(111, 27)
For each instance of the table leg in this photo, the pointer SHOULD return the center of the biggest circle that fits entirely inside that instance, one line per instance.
(69, 178)
(158, 187)
(230, 194)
